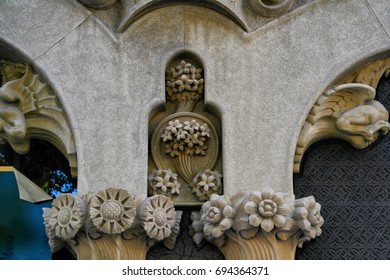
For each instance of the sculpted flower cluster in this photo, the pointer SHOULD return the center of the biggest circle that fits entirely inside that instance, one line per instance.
(188, 138)
(163, 182)
(207, 183)
(184, 82)
(247, 214)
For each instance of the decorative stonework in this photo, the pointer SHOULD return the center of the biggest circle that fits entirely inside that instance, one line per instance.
(348, 112)
(184, 139)
(29, 109)
(117, 225)
(207, 183)
(112, 210)
(163, 182)
(98, 4)
(271, 8)
(257, 225)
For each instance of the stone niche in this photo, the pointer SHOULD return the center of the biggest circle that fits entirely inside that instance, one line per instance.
(185, 160)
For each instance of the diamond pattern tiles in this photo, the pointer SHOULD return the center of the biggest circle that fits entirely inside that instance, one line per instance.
(353, 187)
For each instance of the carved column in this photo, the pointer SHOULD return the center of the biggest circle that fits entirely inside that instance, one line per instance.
(259, 225)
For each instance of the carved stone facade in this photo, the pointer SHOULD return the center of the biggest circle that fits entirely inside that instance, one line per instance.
(178, 105)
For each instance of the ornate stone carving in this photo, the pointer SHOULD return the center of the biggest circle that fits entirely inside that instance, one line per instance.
(163, 182)
(271, 8)
(184, 138)
(207, 183)
(29, 109)
(112, 210)
(117, 225)
(347, 111)
(257, 225)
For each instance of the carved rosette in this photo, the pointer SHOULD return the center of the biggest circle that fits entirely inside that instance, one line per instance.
(257, 225)
(113, 228)
(207, 183)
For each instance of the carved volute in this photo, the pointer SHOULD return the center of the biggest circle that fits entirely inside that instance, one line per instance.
(185, 158)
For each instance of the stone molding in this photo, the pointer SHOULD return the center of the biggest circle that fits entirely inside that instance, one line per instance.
(257, 225)
(347, 111)
(30, 109)
(271, 8)
(111, 224)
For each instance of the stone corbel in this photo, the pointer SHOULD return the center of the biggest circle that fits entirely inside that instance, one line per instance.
(259, 225)
(347, 111)
(30, 109)
(111, 224)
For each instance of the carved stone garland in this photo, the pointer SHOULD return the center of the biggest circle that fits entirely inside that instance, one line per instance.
(258, 225)
(184, 141)
(111, 224)
(29, 109)
(347, 111)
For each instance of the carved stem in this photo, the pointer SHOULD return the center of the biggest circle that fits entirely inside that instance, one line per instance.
(109, 247)
(184, 167)
(264, 246)
(186, 106)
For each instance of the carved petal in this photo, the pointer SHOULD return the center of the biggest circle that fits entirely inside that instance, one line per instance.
(228, 211)
(283, 209)
(217, 232)
(255, 220)
(279, 220)
(251, 207)
(208, 228)
(267, 225)
(226, 224)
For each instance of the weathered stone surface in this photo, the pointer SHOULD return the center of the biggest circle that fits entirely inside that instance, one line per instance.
(262, 84)
(35, 26)
(382, 10)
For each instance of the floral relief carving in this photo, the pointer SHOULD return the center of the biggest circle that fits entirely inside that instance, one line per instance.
(113, 228)
(184, 82)
(112, 210)
(257, 225)
(158, 216)
(163, 182)
(185, 139)
(188, 138)
(67, 216)
(207, 183)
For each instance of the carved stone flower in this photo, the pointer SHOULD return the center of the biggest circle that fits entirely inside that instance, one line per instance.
(158, 217)
(217, 215)
(206, 183)
(112, 210)
(55, 243)
(184, 82)
(267, 209)
(163, 182)
(67, 215)
(188, 138)
(308, 217)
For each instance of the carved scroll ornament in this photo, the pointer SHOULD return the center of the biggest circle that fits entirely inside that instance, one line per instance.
(111, 224)
(348, 112)
(257, 225)
(29, 109)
